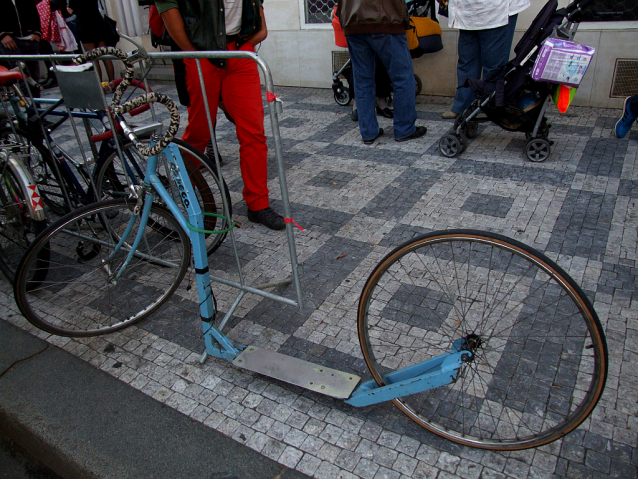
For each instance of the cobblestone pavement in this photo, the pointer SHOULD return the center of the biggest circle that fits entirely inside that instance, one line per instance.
(357, 202)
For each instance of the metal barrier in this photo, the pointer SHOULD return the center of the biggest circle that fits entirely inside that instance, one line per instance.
(274, 107)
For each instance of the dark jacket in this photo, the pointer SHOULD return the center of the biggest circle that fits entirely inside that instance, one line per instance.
(373, 16)
(19, 20)
(205, 23)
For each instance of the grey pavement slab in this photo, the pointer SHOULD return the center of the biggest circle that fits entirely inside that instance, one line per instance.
(356, 203)
(82, 422)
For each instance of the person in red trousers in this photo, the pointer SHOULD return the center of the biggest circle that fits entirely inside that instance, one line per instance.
(226, 25)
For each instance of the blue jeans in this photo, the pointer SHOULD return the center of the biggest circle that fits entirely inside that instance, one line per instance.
(394, 54)
(481, 51)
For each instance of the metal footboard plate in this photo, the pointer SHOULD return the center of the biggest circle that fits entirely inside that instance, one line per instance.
(295, 371)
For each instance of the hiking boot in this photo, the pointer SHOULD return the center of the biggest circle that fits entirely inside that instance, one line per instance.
(449, 115)
(419, 131)
(267, 217)
(624, 124)
(369, 142)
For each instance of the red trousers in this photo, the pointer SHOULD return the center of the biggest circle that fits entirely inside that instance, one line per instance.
(241, 92)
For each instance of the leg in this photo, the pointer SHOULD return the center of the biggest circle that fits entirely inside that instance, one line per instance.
(87, 48)
(45, 49)
(395, 55)
(382, 80)
(511, 29)
(495, 48)
(197, 132)
(468, 66)
(28, 47)
(108, 64)
(362, 56)
(241, 92)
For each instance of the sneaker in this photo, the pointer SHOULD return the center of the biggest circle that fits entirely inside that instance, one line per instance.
(418, 133)
(369, 142)
(449, 115)
(267, 217)
(624, 124)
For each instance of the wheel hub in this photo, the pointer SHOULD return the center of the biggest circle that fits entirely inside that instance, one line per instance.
(472, 342)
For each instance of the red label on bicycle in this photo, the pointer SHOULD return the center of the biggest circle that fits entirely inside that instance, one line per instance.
(36, 199)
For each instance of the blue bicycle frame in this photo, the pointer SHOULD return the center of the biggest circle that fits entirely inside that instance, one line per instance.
(435, 372)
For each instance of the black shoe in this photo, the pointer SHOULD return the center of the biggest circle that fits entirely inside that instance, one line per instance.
(369, 142)
(418, 133)
(267, 217)
(354, 115)
(385, 112)
(49, 83)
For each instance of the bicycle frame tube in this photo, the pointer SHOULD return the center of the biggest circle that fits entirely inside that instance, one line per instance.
(216, 342)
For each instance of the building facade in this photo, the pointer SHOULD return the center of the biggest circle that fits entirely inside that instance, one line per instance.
(300, 48)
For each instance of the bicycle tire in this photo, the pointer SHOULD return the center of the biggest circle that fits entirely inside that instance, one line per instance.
(537, 370)
(111, 182)
(78, 298)
(17, 228)
(44, 171)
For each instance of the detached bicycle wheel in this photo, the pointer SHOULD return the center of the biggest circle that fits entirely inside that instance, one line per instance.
(82, 295)
(113, 176)
(539, 356)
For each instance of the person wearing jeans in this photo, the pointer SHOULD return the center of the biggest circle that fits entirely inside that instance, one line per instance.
(486, 31)
(378, 26)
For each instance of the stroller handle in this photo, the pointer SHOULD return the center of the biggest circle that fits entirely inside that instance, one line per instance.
(578, 6)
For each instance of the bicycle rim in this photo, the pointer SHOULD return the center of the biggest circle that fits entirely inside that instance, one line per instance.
(112, 178)
(539, 354)
(81, 295)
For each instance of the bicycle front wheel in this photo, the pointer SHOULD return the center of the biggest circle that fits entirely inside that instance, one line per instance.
(539, 357)
(114, 175)
(82, 294)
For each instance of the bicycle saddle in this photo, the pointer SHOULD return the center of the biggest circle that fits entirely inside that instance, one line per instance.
(6, 76)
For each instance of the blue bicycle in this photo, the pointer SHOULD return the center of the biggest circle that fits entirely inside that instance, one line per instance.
(475, 336)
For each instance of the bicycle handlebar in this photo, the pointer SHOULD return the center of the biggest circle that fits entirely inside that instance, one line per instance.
(136, 103)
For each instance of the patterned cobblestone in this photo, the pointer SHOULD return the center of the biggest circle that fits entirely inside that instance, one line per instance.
(356, 203)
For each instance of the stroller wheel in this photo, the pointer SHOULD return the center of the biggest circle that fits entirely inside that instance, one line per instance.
(538, 149)
(418, 85)
(450, 146)
(342, 97)
(471, 131)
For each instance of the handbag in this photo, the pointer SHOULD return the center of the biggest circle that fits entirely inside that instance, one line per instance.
(424, 36)
(112, 36)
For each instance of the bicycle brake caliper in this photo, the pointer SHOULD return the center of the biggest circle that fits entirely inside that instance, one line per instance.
(136, 192)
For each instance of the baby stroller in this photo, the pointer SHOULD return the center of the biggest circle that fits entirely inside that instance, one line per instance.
(510, 98)
(342, 77)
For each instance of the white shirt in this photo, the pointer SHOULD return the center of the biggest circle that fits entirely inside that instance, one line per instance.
(517, 6)
(483, 14)
(232, 14)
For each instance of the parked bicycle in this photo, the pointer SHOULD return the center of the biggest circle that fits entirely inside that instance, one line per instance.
(66, 183)
(21, 212)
